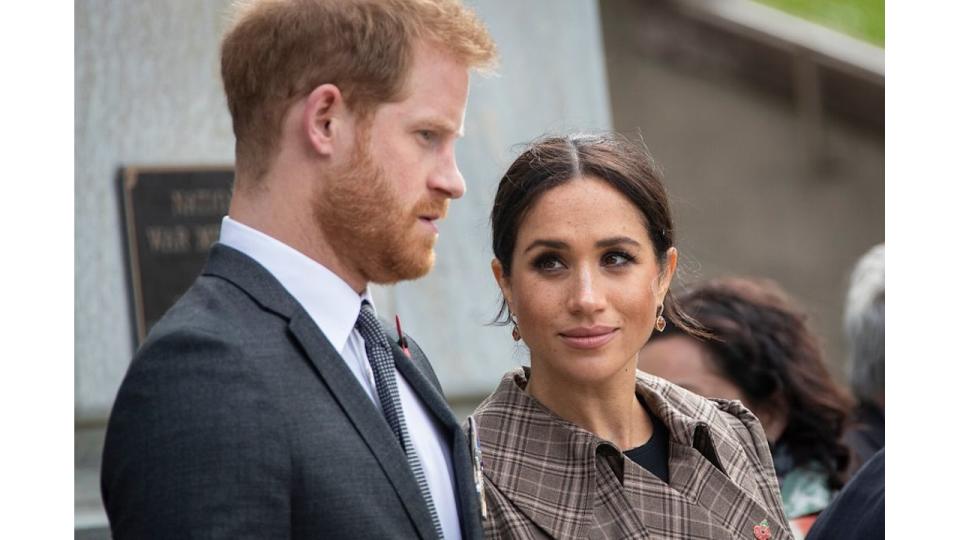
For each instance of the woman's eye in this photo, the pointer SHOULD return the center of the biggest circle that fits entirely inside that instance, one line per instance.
(427, 136)
(616, 258)
(548, 263)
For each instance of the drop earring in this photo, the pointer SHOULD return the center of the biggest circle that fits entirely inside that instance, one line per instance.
(661, 322)
(516, 331)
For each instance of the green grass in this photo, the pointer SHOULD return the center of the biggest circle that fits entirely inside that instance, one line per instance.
(862, 19)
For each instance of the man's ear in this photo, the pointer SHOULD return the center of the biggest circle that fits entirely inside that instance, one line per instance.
(502, 280)
(325, 117)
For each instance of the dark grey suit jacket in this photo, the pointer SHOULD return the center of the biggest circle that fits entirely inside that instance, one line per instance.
(238, 419)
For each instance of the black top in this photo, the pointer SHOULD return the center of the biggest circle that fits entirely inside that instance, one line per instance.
(654, 454)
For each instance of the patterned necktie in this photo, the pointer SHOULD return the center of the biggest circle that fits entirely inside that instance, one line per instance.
(380, 357)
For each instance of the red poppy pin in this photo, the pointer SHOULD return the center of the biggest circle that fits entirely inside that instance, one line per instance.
(762, 531)
(402, 341)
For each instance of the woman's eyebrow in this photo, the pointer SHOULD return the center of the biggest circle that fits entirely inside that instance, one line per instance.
(608, 242)
(560, 244)
(546, 242)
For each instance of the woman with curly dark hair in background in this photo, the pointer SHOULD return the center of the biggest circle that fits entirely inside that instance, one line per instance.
(764, 354)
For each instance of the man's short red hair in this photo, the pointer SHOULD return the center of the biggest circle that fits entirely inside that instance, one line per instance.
(278, 51)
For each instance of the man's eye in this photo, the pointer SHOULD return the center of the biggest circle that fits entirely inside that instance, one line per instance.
(427, 136)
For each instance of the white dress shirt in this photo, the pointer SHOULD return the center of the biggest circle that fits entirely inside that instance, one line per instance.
(334, 306)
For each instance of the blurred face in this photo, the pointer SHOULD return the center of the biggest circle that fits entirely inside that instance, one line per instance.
(381, 211)
(684, 362)
(585, 282)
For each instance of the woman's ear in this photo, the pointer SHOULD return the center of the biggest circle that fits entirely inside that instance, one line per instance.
(502, 280)
(667, 272)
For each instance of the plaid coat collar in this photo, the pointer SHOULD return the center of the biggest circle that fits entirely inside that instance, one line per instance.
(568, 481)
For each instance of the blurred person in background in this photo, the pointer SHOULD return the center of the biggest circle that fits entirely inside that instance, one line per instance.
(763, 353)
(580, 444)
(858, 512)
(864, 325)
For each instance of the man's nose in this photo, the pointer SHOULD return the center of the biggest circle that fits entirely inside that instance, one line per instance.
(447, 178)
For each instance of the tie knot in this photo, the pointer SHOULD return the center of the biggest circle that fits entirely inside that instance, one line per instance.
(367, 317)
(369, 326)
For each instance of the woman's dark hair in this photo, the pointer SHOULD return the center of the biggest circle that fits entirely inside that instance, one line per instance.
(763, 344)
(553, 161)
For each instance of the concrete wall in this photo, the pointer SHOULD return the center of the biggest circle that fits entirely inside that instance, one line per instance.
(748, 199)
(148, 92)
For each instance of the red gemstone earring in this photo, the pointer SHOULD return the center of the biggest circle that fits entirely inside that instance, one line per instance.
(661, 322)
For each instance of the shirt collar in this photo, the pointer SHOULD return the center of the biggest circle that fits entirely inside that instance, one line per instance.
(332, 304)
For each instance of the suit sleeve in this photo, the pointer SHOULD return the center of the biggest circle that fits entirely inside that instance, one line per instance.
(194, 446)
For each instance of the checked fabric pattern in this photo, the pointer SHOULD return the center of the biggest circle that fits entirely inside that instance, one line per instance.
(385, 376)
(543, 473)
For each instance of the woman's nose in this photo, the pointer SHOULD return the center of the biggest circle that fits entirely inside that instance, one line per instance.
(585, 296)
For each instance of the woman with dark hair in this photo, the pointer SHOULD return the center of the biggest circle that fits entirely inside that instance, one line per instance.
(763, 353)
(579, 444)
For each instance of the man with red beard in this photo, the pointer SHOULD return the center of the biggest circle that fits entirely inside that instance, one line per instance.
(270, 401)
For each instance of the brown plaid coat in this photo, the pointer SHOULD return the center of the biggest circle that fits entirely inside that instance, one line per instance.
(545, 477)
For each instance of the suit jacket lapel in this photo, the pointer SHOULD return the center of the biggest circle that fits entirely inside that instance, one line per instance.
(426, 391)
(252, 278)
(470, 526)
(368, 421)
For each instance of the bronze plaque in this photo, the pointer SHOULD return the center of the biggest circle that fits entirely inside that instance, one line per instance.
(172, 218)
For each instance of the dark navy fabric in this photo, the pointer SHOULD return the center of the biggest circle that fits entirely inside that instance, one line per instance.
(858, 510)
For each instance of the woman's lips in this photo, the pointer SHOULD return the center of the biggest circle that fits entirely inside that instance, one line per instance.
(588, 338)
